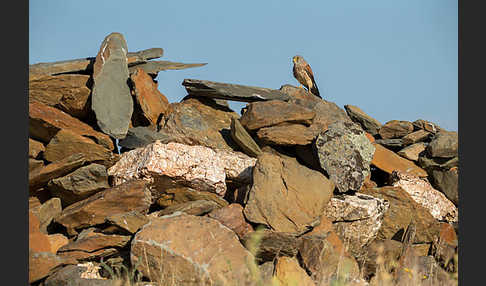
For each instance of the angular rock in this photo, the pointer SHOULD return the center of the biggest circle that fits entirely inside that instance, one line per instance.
(413, 151)
(153, 67)
(444, 248)
(130, 196)
(424, 194)
(269, 113)
(38, 241)
(426, 125)
(66, 142)
(286, 134)
(416, 136)
(40, 176)
(288, 272)
(394, 144)
(72, 275)
(345, 154)
(57, 241)
(111, 100)
(214, 255)
(151, 101)
(395, 129)
(444, 145)
(174, 196)
(34, 164)
(130, 221)
(437, 163)
(46, 121)
(67, 92)
(286, 196)
(41, 264)
(446, 181)
(403, 210)
(356, 219)
(368, 123)
(238, 167)
(166, 165)
(200, 121)
(93, 245)
(228, 91)
(80, 184)
(388, 161)
(243, 139)
(266, 245)
(35, 148)
(232, 217)
(141, 136)
(199, 207)
(47, 212)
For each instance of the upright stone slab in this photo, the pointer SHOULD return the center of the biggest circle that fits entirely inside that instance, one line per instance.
(111, 98)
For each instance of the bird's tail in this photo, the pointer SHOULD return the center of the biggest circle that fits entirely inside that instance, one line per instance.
(315, 90)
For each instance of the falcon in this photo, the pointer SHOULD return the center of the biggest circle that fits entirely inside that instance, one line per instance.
(303, 73)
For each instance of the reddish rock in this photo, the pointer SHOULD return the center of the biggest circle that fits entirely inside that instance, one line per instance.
(268, 113)
(286, 134)
(288, 272)
(232, 217)
(131, 221)
(46, 121)
(152, 103)
(67, 92)
(35, 148)
(426, 125)
(41, 264)
(416, 136)
(57, 241)
(96, 245)
(388, 161)
(47, 212)
(67, 142)
(34, 164)
(395, 129)
(130, 196)
(38, 241)
(413, 151)
(199, 207)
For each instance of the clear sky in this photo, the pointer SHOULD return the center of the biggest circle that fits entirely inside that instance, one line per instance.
(395, 59)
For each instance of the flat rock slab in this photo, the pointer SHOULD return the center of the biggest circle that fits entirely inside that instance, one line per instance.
(47, 212)
(80, 184)
(232, 217)
(131, 196)
(368, 123)
(345, 154)
(213, 256)
(153, 67)
(198, 207)
(416, 136)
(174, 196)
(148, 97)
(73, 275)
(356, 219)
(234, 92)
(444, 145)
(141, 136)
(68, 92)
(389, 161)
(35, 148)
(200, 121)
(197, 167)
(285, 195)
(273, 112)
(402, 211)
(286, 134)
(130, 221)
(426, 125)
(46, 121)
(41, 264)
(424, 194)
(83, 248)
(243, 139)
(266, 244)
(395, 129)
(413, 151)
(111, 100)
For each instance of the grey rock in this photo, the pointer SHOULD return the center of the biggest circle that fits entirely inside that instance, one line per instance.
(392, 144)
(368, 123)
(446, 181)
(111, 98)
(79, 184)
(444, 145)
(142, 136)
(437, 163)
(243, 139)
(268, 244)
(345, 153)
(198, 207)
(70, 275)
(153, 67)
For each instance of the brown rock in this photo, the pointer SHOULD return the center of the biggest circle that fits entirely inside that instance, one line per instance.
(444, 248)
(403, 210)
(40, 176)
(416, 136)
(288, 272)
(130, 196)
(34, 164)
(47, 212)
(148, 97)
(80, 184)
(426, 125)
(67, 92)
(243, 139)
(232, 217)
(93, 246)
(57, 241)
(368, 123)
(266, 244)
(38, 241)
(214, 255)
(200, 121)
(268, 113)
(41, 264)
(130, 221)
(173, 196)
(447, 181)
(35, 148)
(413, 151)
(199, 207)
(286, 134)
(388, 161)
(280, 182)
(444, 145)
(395, 129)
(66, 142)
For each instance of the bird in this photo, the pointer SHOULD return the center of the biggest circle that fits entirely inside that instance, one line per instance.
(303, 73)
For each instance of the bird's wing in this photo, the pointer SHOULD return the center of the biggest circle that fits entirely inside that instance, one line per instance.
(309, 73)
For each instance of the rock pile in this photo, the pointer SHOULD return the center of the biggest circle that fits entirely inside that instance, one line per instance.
(192, 193)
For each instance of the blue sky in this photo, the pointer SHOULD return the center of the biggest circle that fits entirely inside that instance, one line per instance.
(395, 59)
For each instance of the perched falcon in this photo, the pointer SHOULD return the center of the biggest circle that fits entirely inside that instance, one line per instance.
(303, 73)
